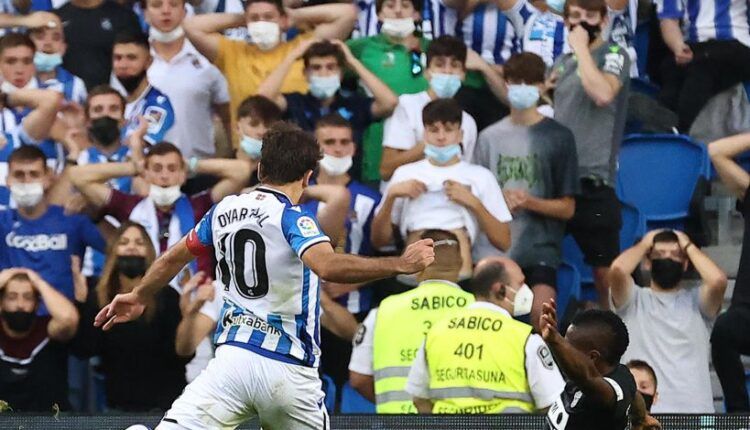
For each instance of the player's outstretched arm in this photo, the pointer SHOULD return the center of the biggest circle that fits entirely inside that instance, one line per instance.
(348, 268)
(128, 307)
(573, 363)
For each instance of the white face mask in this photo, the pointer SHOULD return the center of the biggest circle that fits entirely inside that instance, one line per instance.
(165, 37)
(398, 28)
(164, 196)
(336, 166)
(27, 195)
(266, 35)
(523, 301)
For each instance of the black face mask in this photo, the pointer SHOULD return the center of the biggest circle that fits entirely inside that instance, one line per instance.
(105, 130)
(592, 30)
(130, 83)
(132, 266)
(19, 321)
(648, 399)
(666, 272)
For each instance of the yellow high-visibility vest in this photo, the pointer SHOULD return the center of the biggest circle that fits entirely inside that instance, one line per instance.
(477, 362)
(401, 324)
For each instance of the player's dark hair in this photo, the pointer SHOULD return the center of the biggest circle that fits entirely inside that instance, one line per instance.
(163, 148)
(323, 48)
(277, 3)
(615, 334)
(12, 40)
(642, 365)
(333, 119)
(261, 108)
(589, 5)
(525, 67)
(447, 46)
(101, 90)
(288, 154)
(487, 275)
(442, 110)
(26, 154)
(128, 37)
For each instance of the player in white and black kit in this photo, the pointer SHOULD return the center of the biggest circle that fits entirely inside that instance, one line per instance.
(271, 255)
(599, 393)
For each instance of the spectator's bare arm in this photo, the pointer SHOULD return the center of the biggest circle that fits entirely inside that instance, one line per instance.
(329, 21)
(494, 80)
(64, 316)
(620, 283)
(34, 20)
(714, 279)
(723, 152)
(194, 326)
(381, 230)
(675, 40)
(332, 217)
(395, 158)
(270, 88)
(497, 232)
(44, 104)
(204, 31)
(336, 319)
(364, 384)
(233, 175)
(601, 87)
(91, 179)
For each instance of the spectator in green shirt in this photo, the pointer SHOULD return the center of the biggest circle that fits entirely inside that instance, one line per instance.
(395, 56)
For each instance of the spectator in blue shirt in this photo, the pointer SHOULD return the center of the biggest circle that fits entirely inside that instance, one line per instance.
(325, 63)
(131, 58)
(38, 235)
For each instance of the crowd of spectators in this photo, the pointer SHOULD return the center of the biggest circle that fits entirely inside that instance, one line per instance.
(492, 127)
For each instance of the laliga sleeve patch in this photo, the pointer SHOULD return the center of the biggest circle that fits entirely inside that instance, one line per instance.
(307, 227)
(360, 335)
(545, 357)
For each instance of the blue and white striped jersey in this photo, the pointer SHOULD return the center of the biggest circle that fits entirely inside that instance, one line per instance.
(271, 300)
(367, 19)
(709, 20)
(541, 33)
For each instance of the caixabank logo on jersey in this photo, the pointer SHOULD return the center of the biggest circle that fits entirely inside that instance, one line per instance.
(37, 242)
(230, 318)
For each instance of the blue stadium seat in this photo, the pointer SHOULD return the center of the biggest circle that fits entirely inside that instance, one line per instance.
(329, 388)
(640, 43)
(568, 285)
(354, 403)
(658, 174)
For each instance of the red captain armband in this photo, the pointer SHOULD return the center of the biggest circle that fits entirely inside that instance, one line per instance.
(194, 244)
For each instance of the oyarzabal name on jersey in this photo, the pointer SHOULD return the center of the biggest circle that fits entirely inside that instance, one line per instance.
(234, 215)
(249, 321)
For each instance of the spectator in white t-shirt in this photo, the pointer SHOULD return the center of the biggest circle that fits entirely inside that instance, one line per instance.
(669, 323)
(195, 87)
(403, 134)
(443, 191)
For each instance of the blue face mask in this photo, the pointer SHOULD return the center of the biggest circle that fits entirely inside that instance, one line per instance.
(251, 146)
(442, 154)
(556, 5)
(445, 85)
(523, 96)
(46, 62)
(323, 87)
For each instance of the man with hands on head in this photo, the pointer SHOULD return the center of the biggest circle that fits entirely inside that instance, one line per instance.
(34, 363)
(669, 322)
(599, 391)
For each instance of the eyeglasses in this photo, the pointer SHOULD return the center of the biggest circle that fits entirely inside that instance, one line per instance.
(416, 63)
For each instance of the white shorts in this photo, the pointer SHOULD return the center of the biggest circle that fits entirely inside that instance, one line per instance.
(239, 384)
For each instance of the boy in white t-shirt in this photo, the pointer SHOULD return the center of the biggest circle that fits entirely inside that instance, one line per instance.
(443, 192)
(403, 132)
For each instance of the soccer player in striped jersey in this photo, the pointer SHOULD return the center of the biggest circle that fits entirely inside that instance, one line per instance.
(271, 256)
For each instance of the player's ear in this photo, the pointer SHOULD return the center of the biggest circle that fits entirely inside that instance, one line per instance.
(306, 178)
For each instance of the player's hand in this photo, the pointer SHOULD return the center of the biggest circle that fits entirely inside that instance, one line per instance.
(410, 189)
(417, 256)
(548, 322)
(460, 193)
(124, 308)
(649, 423)
(195, 293)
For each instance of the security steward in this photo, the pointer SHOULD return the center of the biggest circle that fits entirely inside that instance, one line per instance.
(388, 339)
(479, 360)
